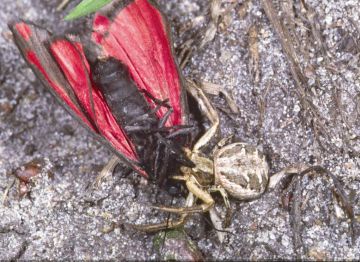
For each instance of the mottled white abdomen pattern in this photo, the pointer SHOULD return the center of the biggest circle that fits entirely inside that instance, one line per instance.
(242, 170)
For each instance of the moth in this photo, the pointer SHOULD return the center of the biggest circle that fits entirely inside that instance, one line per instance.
(131, 97)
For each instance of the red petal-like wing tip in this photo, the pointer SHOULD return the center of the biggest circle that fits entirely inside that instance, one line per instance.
(138, 37)
(24, 30)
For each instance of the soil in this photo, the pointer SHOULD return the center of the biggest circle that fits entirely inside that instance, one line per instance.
(295, 78)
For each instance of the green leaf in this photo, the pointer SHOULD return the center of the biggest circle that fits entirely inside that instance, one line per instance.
(86, 7)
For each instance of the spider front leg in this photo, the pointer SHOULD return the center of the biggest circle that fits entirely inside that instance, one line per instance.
(195, 191)
(202, 165)
(206, 107)
(194, 188)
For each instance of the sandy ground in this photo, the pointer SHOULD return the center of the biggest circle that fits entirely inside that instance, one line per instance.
(314, 122)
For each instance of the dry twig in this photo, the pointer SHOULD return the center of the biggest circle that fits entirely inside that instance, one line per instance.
(312, 114)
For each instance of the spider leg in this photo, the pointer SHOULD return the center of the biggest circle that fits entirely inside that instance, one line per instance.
(225, 197)
(223, 193)
(171, 223)
(216, 90)
(194, 188)
(223, 142)
(218, 225)
(208, 110)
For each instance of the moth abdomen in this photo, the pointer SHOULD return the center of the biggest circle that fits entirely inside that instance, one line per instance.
(121, 93)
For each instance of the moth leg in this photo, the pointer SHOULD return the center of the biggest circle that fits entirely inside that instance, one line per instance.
(171, 223)
(184, 130)
(157, 158)
(107, 171)
(146, 117)
(208, 110)
(194, 188)
(176, 151)
(156, 101)
(159, 104)
(162, 159)
(171, 147)
(160, 174)
(165, 118)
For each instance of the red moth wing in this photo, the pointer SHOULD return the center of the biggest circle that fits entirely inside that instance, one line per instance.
(71, 59)
(30, 41)
(138, 36)
(62, 67)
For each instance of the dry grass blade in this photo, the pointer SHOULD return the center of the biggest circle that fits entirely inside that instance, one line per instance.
(313, 117)
(254, 60)
(62, 5)
(207, 34)
(216, 90)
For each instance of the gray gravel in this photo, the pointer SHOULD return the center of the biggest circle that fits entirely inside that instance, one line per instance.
(64, 218)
